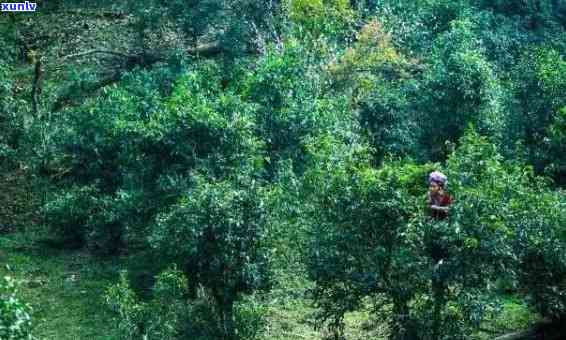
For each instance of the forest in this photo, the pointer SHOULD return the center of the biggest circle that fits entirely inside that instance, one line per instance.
(283, 170)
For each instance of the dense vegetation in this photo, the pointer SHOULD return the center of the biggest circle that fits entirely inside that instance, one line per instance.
(248, 152)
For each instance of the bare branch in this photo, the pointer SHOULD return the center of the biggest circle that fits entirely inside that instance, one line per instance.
(546, 328)
(128, 62)
(207, 50)
(88, 88)
(86, 53)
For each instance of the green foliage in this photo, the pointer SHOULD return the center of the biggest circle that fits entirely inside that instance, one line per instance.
(129, 154)
(357, 214)
(15, 319)
(540, 95)
(371, 237)
(535, 13)
(238, 26)
(289, 88)
(287, 138)
(379, 78)
(557, 143)
(8, 37)
(216, 233)
(542, 272)
(516, 314)
(417, 23)
(473, 248)
(460, 87)
(539, 220)
(124, 302)
(250, 316)
(84, 216)
(68, 214)
(10, 122)
(322, 17)
(170, 315)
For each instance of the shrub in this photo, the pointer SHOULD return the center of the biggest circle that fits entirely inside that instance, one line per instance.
(127, 156)
(377, 76)
(67, 213)
(357, 216)
(557, 148)
(288, 90)
(216, 233)
(15, 319)
(322, 17)
(540, 94)
(540, 247)
(371, 237)
(172, 313)
(460, 87)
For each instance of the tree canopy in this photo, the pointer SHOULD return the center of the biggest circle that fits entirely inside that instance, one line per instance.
(236, 140)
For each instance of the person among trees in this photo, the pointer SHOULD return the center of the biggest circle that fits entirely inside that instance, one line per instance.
(439, 200)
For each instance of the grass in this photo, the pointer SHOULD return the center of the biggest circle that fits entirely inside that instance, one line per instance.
(291, 315)
(66, 289)
(515, 315)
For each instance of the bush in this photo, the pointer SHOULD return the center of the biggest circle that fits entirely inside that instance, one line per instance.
(322, 17)
(127, 156)
(540, 247)
(540, 94)
(164, 317)
(15, 319)
(460, 87)
(371, 237)
(357, 214)
(217, 233)
(67, 213)
(288, 90)
(556, 142)
(378, 77)
(172, 313)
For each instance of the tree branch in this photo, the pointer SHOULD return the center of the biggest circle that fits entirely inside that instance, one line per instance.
(545, 329)
(208, 49)
(66, 98)
(129, 61)
(86, 53)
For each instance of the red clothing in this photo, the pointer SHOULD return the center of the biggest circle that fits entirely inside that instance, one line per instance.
(441, 200)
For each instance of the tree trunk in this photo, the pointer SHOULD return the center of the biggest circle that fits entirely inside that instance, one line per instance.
(438, 295)
(36, 86)
(228, 327)
(225, 308)
(403, 329)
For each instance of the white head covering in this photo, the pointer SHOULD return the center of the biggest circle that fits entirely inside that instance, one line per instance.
(438, 177)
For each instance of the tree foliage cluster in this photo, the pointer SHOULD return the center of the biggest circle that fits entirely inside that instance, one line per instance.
(15, 319)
